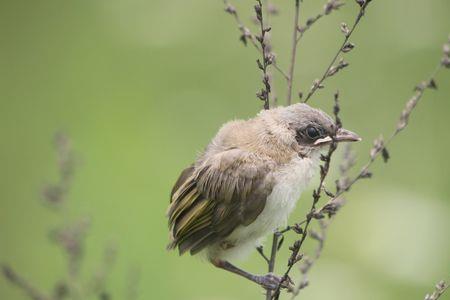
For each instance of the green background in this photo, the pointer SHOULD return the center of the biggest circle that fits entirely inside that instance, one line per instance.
(141, 87)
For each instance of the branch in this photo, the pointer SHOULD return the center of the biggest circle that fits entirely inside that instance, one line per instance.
(347, 163)
(380, 146)
(260, 250)
(439, 290)
(23, 284)
(247, 35)
(269, 11)
(342, 186)
(345, 47)
(293, 52)
(267, 58)
(295, 248)
(328, 8)
(271, 261)
(379, 149)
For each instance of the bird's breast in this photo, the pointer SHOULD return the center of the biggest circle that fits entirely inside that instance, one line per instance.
(290, 180)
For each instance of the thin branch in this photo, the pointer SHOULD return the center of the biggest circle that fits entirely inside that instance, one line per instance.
(379, 149)
(380, 146)
(308, 262)
(267, 58)
(270, 10)
(260, 250)
(23, 284)
(271, 262)
(293, 52)
(439, 290)
(346, 164)
(328, 8)
(345, 47)
(295, 248)
(247, 35)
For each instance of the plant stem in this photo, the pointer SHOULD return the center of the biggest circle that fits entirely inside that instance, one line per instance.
(293, 52)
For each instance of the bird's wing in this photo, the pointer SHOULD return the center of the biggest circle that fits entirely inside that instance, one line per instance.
(210, 200)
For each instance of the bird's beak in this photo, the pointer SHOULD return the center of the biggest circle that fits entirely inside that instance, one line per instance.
(342, 135)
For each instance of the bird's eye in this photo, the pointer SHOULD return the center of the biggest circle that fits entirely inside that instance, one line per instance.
(312, 132)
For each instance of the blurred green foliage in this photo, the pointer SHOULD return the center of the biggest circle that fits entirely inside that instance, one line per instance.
(141, 87)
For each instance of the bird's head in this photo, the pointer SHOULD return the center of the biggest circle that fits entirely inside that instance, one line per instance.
(307, 129)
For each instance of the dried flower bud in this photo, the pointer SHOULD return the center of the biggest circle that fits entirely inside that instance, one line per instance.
(315, 235)
(243, 39)
(445, 62)
(260, 66)
(378, 145)
(421, 86)
(280, 243)
(310, 21)
(385, 155)
(317, 85)
(360, 2)
(307, 263)
(365, 174)
(297, 229)
(440, 288)
(230, 9)
(432, 84)
(332, 5)
(258, 11)
(345, 30)
(333, 70)
(404, 117)
(272, 9)
(348, 47)
(446, 49)
(342, 64)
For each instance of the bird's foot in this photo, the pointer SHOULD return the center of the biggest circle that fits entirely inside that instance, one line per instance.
(271, 282)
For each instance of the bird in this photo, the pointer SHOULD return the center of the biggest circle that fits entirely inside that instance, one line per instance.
(246, 182)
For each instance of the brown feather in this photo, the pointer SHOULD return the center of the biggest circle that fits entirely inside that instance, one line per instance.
(213, 198)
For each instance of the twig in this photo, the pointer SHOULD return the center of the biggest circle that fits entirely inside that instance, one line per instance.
(439, 290)
(328, 8)
(380, 146)
(54, 195)
(295, 248)
(270, 10)
(23, 284)
(308, 262)
(379, 149)
(246, 35)
(132, 284)
(267, 58)
(347, 163)
(271, 262)
(293, 52)
(345, 47)
(260, 250)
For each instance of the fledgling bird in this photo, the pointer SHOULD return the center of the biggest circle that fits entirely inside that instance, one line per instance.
(247, 182)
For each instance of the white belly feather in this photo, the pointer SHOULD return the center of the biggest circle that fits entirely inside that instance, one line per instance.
(292, 179)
